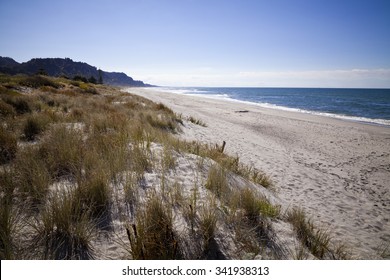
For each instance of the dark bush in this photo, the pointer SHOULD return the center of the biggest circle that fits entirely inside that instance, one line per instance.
(34, 125)
(20, 104)
(6, 109)
(8, 146)
(80, 78)
(38, 81)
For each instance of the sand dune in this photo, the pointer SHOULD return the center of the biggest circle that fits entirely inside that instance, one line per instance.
(338, 171)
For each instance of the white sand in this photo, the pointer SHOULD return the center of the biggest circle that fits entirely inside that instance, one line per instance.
(338, 171)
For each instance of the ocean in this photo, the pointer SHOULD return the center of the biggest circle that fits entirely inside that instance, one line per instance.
(362, 105)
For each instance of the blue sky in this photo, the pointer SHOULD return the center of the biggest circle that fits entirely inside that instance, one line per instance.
(209, 43)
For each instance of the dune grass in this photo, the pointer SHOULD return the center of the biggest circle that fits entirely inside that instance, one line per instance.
(70, 152)
(317, 240)
(152, 236)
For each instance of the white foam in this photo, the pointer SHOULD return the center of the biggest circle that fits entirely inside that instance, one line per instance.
(205, 94)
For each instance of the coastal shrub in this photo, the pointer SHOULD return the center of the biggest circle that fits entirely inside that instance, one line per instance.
(152, 236)
(8, 146)
(20, 104)
(38, 81)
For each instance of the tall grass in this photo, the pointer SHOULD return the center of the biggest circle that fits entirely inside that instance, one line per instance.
(8, 146)
(63, 151)
(317, 240)
(32, 176)
(35, 125)
(9, 216)
(152, 236)
(64, 230)
(208, 223)
(217, 181)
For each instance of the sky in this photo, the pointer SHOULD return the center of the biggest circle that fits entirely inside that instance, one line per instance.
(254, 43)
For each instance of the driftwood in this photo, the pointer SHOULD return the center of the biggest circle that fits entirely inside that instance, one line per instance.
(221, 149)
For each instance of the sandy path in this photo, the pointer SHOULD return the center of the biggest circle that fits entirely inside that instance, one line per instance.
(338, 171)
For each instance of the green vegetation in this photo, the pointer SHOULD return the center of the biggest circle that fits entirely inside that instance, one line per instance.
(152, 236)
(317, 240)
(80, 162)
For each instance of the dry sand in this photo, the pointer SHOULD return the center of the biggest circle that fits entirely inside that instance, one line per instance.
(337, 171)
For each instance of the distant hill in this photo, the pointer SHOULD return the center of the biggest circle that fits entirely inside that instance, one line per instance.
(66, 67)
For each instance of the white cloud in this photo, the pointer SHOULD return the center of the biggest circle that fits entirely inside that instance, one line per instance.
(377, 78)
(321, 78)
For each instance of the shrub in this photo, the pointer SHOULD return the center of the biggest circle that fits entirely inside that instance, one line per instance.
(8, 146)
(39, 81)
(20, 104)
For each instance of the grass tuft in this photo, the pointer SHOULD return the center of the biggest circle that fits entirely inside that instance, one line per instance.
(152, 236)
(64, 230)
(8, 146)
(318, 241)
(34, 126)
(63, 152)
(217, 181)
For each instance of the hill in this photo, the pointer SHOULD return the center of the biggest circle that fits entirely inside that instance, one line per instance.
(57, 67)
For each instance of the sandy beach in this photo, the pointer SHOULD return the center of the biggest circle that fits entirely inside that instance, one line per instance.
(337, 171)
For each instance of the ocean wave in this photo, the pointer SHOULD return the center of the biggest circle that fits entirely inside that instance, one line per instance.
(223, 96)
(383, 122)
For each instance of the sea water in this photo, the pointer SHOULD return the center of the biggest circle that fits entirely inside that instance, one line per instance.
(363, 105)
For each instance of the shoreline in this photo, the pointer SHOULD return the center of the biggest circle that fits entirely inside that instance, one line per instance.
(336, 170)
(225, 97)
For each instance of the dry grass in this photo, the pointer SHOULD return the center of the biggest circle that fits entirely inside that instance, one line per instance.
(217, 181)
(8, 146)
(317, 240)
(64, 230)
(208, 223)
(71, 152)
(152, 236)
(196, 121)
(9, 217)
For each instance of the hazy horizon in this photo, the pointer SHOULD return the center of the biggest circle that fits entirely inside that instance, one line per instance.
(337, 44)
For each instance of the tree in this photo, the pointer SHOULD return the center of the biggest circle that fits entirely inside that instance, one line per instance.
(100, 76)
(42, 72)
(92, 80)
